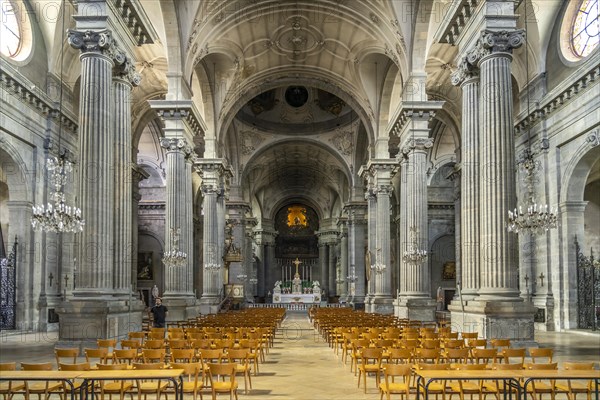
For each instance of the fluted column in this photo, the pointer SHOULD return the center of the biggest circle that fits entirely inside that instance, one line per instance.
(383, 280)
(344, 259)
(210, 256)
(356, 248)
(124, 79)
(221, 211)
(323, 262)
(467, 76)
(416, 233)
(371, 198)
(187, 237)
(498, 256)
(331, 264)
(176, 214)
(403, 228)
(138, 174)
(96, 157)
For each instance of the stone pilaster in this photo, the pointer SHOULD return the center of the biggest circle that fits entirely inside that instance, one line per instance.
(210, 191)
(371, 198)
(138, 174)
(323, 263)
(467, 77)
(331, 269)
(125, 77)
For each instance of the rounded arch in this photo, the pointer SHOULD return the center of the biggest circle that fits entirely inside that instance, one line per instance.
(294, 198)
(578, 169)
(14, 173)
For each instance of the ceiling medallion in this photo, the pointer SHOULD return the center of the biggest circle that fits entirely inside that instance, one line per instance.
(296, 96)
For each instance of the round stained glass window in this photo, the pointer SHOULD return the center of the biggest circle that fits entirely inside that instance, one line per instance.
(585, 29)
(10, 30)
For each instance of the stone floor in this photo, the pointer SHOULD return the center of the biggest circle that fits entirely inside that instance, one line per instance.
(301, 366)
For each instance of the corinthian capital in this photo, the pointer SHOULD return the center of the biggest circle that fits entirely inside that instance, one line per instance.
(466, 70)
(124, 69)
(418, 144)
(90, 41)
(176, 144)
(498, 42)
(384, 190)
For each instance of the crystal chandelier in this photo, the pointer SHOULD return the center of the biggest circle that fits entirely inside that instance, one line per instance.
(414, 255)
(531, 218)
(378, 267)
(352, 277)
(174, 257)
(57, 216)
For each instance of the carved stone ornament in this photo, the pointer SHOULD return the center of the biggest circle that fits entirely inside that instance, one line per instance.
(422, 144)
(384, 190)
(343, 141)
(90, 41)
(498, 42)
(126, 70)
(173, 144)
(466, 70)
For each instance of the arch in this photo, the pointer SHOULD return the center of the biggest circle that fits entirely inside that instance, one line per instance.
(14, 170)
(578, 169)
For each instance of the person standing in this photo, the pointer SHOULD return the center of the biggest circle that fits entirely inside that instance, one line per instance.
(159, 312)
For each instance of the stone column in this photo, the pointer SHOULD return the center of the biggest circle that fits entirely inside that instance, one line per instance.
(260, 267)
(332, 287)
(356, 246)
(323, 263)
(415, 300)
(467, 77)
(371, 199)
(125, 77)
(344, 259)
(96, 158)
(138, 174)
(210, 289)
(498, 258)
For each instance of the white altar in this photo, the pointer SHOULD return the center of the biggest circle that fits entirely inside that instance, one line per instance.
(298, 294)
(296, 298)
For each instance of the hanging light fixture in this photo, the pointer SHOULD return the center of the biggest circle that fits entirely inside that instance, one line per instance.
(174, 257)
(531, 217)
(56, 215)
(378, 267)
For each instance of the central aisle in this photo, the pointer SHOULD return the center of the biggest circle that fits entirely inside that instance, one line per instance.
(301, 366)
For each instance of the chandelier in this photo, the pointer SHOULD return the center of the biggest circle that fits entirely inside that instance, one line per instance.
(531, 218)
(352, 277)
(174, 257)
(56, 215)
(414, 255)
(378, 267)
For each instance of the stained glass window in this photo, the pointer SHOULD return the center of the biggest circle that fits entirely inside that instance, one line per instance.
(584, 35)
(10, 30)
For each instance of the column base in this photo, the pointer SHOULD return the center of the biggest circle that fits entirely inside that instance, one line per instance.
(544, 312)
(181, 308)
(209, 304)
(382, 304)
(494, 319)
(415, 308)
(82, 321)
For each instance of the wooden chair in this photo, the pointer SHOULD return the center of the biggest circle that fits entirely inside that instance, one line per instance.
(460, 356)
(239, 357)
(253, 347)
(40, 388)
(191, 383)
(154, 355)
(119, 387)
(96, 356)
(179, 344)
(370, 363)
(484, 356)
(541, 355)
(127, 356)
(76, 382)
(110, 344)
(573, 388)
(183, 355)
(389, 385)
(10, 388)
(537, 387)
(67, 356)
(222, 379)
(399, 356)
(494, 387)
(511, 356)
(154, 344)
(436, 388)
(431, 356)
(150, 386)
(469, 387)
(139, 336)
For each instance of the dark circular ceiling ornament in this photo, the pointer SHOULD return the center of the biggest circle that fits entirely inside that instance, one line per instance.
(296, 96)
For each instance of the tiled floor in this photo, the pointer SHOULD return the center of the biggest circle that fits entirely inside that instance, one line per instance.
(301, 366)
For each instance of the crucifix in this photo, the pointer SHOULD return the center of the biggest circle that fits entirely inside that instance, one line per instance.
(297, 262)
(66, 282)
(542, 276)
(50, 278)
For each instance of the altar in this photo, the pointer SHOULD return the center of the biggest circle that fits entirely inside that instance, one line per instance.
(285, 298)
(296, 292)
